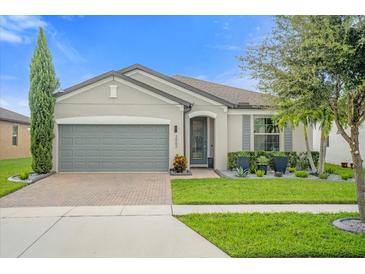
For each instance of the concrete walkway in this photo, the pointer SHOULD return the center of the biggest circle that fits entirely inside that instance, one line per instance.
(167, 210)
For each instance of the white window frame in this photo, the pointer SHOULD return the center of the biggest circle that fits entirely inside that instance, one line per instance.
(14, 135)
(264, 133)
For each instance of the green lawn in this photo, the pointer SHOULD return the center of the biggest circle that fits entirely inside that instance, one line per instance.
(277, 234)
(340, 170)
(261, 191)
(9, 168)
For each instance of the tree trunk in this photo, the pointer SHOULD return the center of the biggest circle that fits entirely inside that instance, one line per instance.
(359, 175)
(309, 152)
(322, 153)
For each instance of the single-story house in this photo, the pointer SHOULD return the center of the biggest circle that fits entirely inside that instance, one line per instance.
(138, 119)
(14, 135)
(338, 150)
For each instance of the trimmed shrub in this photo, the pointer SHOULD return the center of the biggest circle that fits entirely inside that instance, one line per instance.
(293, 158)
(262, 160)
(260, 173)
(330, 170)
(179, 163)
(24, 175)
(323, 176)
(292, 169)
(345, 176)
(252, 168)
(302, 174)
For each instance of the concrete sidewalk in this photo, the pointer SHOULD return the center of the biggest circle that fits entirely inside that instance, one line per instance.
(119, 231)
(167, 210)
(95, 232)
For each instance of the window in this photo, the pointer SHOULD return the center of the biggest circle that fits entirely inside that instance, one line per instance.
(14, 137)
(266, 134)
(328, 141)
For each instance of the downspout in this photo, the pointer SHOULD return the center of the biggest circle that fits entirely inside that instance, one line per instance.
(186, 110)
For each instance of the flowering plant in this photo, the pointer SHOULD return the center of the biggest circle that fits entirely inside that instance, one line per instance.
(180, 163)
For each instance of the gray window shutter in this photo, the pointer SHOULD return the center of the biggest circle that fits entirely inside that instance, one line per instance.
(246, 132)
(288, 138)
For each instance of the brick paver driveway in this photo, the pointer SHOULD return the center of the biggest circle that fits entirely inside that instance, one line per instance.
(93, 189)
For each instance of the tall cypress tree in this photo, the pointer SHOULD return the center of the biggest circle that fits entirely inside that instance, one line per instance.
(43, 83)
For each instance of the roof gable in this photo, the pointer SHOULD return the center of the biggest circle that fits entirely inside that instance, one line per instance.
(175, 82)
(116, 75)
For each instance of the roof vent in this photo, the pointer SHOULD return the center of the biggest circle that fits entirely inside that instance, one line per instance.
(113, 91)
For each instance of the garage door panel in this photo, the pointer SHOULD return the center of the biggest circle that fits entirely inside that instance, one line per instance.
(86, 141)
(66, 141)
(133, 141)
(113, 147)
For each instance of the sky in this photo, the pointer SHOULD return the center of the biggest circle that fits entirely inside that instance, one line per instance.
(204, 47)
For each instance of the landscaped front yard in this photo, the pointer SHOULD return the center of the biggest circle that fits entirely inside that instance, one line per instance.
(261, 191)
(341, 171)
(277, 234)
(9, 168)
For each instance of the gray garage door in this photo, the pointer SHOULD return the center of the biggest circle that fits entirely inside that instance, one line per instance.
(113, 147)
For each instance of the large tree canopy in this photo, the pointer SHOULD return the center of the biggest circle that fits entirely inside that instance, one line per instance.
(317, 62)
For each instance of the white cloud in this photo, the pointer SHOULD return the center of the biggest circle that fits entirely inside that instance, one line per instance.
(17, 29)
(68, 50)
(227, 47)
(26, 22)
(23, 29)
(10, 37)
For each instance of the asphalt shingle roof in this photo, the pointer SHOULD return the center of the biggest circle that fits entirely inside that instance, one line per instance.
(227, 95)
(237, 96)
(11, 116)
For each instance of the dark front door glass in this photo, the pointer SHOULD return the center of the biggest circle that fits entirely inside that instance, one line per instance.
(198, 140)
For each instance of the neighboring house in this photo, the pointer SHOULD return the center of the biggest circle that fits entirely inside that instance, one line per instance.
(137, 119)
(338, 149)
(14, 135)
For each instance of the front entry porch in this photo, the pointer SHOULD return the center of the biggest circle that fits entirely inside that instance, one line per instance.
(202, 142)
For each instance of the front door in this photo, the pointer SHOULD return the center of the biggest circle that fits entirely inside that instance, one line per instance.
(198, 141)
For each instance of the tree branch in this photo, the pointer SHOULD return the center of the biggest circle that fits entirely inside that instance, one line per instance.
(334, 107)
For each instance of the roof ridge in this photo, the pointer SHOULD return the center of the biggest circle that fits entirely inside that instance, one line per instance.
(215, 83)
(175, 81)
